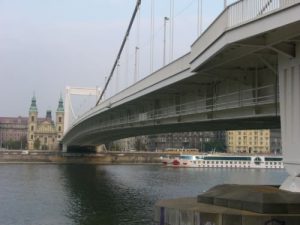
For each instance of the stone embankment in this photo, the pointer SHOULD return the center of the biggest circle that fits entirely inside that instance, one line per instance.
(13, 156)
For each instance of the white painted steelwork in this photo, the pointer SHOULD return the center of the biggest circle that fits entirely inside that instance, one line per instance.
(235, 100)
(69, 91)
(237, 14)
(256, 39)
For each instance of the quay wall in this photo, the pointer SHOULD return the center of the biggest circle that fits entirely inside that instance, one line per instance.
(80, 158)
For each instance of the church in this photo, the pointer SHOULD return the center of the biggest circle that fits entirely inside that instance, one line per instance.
(43, 133)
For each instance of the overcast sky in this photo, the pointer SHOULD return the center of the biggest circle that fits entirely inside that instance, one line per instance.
(46, 45)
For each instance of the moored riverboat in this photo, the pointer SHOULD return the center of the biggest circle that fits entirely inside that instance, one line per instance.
(225, 161)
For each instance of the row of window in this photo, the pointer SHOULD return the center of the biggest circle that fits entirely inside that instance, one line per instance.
(237, 162)
(249, 132)
(31, 137)
(250, 143)
(59, 128)
(59, 119)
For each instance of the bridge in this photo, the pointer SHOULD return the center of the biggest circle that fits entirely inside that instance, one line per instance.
(243, 72)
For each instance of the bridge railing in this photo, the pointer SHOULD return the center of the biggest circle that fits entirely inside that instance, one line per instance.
(247, 10)
(244, 98)
(236, 14)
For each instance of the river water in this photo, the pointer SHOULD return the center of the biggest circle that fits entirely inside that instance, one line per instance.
(47, 194)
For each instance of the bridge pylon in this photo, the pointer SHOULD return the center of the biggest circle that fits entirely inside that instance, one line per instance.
(69, 91)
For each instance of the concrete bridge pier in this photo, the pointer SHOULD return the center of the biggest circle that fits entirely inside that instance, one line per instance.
(64, 148)
(289, 86)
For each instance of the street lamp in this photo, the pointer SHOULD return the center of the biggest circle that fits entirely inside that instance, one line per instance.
(165, 26)
(199, 22)
(136, 66)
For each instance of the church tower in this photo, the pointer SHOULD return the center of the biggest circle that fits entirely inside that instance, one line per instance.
(60, 119)
(32, 123)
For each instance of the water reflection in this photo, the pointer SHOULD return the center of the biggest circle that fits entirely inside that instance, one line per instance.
(106, 195)
(100, 196)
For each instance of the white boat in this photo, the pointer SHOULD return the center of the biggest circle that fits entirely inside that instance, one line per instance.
(225, 161)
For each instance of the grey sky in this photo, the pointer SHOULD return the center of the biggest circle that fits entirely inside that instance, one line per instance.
(47, 45)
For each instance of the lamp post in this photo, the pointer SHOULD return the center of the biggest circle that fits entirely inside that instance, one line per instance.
(199, 22)
(0, 138)
(136, 68)
(165, 26)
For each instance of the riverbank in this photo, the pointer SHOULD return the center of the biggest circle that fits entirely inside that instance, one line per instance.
(13, 156)
(230, 204)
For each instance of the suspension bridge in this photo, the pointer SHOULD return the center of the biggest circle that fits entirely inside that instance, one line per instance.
(242, 72)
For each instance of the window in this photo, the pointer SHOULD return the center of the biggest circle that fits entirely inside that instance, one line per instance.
(59, 119)
(31, 137)
(32, 118)
(45, 140)
(59, 128)
(32, 128)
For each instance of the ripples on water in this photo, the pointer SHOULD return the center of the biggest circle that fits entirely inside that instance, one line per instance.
(41, 194)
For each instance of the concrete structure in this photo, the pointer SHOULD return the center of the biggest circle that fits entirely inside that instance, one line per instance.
(107, 158)
(276, 143)
(125, 144)
(229, 80)
(232, 205)
(44, 133)
(13, 130)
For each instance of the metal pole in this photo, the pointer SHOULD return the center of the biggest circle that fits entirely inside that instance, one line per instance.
(199, 24)
(165, 26)
(136, 64)
(117, 78)
(152, 36)
(0, 138)
(137, 48)
(225, 4)
(171, 30)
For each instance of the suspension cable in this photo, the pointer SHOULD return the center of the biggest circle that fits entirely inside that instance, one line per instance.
(137, 47)
(138, 3)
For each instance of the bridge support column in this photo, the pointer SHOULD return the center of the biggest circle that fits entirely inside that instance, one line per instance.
(64, 148)
(289, 87)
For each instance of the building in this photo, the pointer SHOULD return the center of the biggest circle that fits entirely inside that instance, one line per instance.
(202, 140)
(13, 132)
(253, 141)
(43, 133)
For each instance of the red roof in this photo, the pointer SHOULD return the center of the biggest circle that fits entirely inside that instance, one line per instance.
(14, 120)
(18, 120)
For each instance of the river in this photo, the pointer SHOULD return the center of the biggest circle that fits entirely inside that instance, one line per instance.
(49, 194)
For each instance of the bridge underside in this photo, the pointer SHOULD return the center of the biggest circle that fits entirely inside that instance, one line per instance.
(101, 136)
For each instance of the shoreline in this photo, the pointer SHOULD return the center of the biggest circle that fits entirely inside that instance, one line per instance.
(103, 158)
